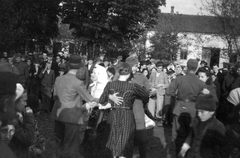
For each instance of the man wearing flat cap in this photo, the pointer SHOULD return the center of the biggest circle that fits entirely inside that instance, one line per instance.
(203, 63)
(187, 88)
(22, 68)
(69, 93)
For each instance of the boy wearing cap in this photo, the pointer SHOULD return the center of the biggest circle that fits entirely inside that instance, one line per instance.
(187, 88)
(207, 136)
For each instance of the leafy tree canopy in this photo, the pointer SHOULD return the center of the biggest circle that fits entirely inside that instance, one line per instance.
(228, 14)
(105, 22)
(28, 22)
(164, 46)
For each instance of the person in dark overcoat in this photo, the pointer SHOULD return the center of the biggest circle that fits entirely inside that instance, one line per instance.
(47, 83)
(188, 88)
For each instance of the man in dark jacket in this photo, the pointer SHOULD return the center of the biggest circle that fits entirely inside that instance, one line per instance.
(188, 88)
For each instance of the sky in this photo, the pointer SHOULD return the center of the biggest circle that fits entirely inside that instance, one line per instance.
(183, 7)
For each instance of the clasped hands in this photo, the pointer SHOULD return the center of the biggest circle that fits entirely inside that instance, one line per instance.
(116, 99)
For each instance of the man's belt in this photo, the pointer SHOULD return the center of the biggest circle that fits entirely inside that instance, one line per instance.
(187, 100)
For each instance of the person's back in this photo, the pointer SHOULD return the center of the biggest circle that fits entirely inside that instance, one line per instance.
(70, 92)
(188, 88)
(126, 90)
(120, 135)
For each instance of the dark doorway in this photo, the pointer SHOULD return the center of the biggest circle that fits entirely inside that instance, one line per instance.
(215, 55)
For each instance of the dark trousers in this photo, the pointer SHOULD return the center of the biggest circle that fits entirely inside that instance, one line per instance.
(67, 139)
(141, 140)
(180, 130)
(46, 98)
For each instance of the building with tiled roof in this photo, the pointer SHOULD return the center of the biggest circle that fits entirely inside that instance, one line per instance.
(200, 36)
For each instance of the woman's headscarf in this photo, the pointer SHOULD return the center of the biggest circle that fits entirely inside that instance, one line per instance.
(101, 81)
(234, 96)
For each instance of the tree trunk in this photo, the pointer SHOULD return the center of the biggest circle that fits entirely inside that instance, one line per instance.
(90, 49)
(83, 48)
(97, 50)
(230, 47)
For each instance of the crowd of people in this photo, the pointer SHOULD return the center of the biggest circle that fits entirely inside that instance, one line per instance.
(121, 100)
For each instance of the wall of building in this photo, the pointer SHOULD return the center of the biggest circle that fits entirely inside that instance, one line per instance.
(198, 46)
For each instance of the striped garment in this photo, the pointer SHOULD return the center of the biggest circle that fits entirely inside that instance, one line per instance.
(120, 122)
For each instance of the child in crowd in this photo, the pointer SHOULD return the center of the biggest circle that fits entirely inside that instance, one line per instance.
(208, 135)
(48, 79)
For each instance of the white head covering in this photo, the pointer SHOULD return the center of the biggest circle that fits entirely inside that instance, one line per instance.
(19, 91)
(234, 96)
(100, 83)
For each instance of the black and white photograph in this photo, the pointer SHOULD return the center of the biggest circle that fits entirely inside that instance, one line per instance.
(120, 79)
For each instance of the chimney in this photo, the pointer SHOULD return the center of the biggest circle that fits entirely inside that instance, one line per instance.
(172, 10)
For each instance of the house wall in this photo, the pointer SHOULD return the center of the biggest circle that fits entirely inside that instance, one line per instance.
(198, 46)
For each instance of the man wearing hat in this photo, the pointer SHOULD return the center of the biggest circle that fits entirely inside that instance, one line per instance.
(35, 80)
(8, 67)
(44, 60)
(69, 93)
(55, 65)
(208, 135)
(187, 88)
(61, 69)
(22, 68)
(5, 56)
(138, 108)
(24, 58)
(203, 63)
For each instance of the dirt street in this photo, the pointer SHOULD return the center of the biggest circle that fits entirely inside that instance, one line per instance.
(159, 144)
